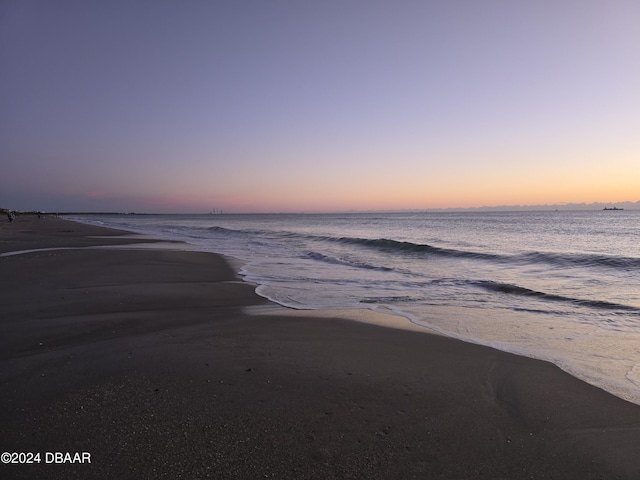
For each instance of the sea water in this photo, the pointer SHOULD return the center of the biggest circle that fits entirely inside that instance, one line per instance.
(562, 286)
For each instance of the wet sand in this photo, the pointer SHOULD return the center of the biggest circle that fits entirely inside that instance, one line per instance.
(148, 360)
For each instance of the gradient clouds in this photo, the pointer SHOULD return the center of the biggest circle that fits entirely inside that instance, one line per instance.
(290, 106)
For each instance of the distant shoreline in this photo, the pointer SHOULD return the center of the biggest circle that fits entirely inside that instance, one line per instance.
(596, 206)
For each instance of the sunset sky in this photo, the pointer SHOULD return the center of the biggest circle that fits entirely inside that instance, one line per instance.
(275, 105)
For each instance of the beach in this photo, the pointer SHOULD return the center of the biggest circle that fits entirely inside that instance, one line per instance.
(149, 360)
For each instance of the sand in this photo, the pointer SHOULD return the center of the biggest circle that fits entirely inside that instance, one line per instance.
(148, 361)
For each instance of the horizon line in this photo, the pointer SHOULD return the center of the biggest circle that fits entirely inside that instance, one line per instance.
(530, 207)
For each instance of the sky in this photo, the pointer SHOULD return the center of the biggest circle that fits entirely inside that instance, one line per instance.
(334, 105)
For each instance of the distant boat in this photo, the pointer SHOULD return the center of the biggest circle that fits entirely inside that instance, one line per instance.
(612, 208)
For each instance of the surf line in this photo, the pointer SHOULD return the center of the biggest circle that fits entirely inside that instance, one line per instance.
(128, 246)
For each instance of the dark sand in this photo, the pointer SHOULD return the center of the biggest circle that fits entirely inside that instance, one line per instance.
(145, 359)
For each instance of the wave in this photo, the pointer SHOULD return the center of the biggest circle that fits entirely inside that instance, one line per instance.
(556, 259)
(233, 231)
(388, 299)
(341, 261)
(549, 258)
(488, 285)
(215, 228)
(416, 248)
(583, 260)
(526, 292)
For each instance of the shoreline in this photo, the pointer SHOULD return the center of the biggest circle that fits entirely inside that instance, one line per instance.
(156, 362)
(613, 377)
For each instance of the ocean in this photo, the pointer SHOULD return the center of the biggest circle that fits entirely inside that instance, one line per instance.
(562, 286)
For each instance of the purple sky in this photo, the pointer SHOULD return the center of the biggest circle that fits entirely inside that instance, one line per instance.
(187, 106)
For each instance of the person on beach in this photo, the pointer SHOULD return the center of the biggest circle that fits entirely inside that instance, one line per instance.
(11, 216)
